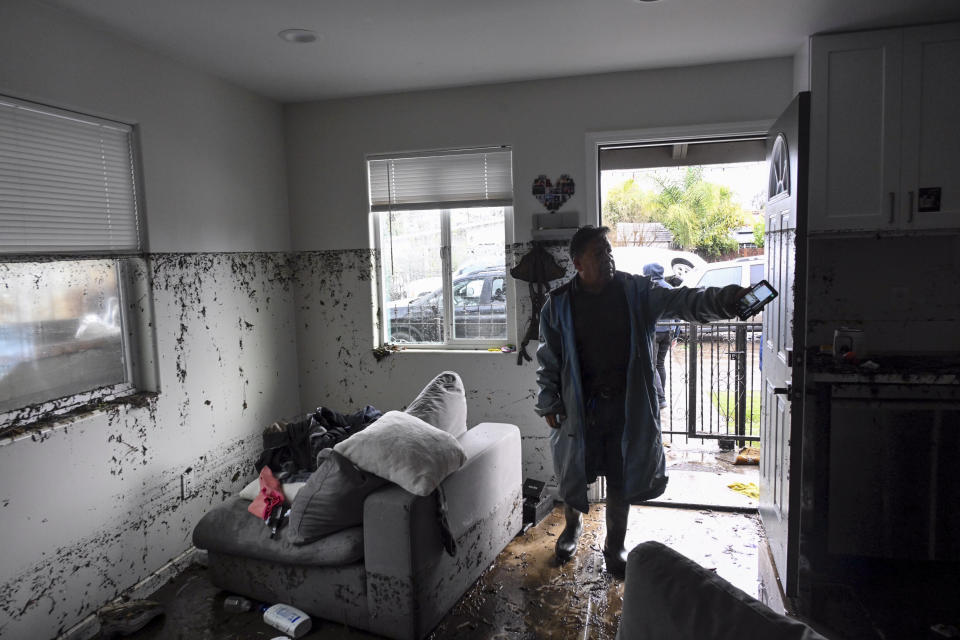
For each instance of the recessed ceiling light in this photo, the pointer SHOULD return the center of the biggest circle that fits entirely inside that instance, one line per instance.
(299, 36)
(645, 1)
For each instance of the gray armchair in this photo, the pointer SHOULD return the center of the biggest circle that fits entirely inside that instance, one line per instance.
(391, 576)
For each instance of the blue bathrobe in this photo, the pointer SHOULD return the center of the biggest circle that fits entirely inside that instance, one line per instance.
(561, 391)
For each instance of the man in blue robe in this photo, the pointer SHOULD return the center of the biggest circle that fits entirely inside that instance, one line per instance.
(597, 384)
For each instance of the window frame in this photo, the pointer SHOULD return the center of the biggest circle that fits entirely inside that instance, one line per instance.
(451, 342)
(134, 291)
(380, 337)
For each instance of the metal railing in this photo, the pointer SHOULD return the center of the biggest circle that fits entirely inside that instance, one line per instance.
(712, 382)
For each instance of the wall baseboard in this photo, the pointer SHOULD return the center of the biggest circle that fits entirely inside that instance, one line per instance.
(90, 626)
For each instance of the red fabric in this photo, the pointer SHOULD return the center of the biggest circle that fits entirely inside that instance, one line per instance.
(270, 496)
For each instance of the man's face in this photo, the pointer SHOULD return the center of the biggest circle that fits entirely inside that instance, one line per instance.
(595, 265)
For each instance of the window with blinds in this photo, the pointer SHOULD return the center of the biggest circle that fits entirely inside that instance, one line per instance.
(66, 183)
(441, 229)
(69, 230)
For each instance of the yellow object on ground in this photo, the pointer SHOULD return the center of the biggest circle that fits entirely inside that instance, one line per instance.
(749, 489)
(748, 455)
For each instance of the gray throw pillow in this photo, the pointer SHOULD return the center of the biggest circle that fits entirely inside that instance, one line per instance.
(443, 404)
(332, 499)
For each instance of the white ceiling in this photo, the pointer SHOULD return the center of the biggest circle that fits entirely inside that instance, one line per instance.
(381, 46)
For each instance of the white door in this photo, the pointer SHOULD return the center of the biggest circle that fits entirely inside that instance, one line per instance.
(787, 148)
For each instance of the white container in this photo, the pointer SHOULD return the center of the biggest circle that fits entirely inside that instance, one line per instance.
(290, 620)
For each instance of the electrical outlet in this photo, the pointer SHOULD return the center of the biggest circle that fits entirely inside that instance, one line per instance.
(187, 483)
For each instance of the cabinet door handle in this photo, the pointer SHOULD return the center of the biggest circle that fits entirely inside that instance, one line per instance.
(910, 202)
(893, 207)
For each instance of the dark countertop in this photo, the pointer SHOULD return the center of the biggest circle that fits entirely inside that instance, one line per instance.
(886, 369)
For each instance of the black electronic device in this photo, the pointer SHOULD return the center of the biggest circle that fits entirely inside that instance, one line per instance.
(757, 296)
(536, 506)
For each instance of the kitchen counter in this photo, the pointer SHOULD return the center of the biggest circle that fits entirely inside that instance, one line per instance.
(887, 370)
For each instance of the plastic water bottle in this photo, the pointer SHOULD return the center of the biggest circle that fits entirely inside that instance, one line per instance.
(237, 604)
(287, 619)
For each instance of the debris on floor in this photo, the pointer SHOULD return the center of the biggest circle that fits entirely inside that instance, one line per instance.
(525, 594)
(749, 489)
(748, 455)
(125, 618)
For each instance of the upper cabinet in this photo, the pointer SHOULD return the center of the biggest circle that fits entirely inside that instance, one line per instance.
(885, 140)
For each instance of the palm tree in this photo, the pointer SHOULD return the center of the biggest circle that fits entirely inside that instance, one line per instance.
(700, 214)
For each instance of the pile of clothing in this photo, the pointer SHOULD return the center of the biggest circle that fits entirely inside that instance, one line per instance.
(290, 451)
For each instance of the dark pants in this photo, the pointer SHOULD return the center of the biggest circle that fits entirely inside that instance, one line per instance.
(605, 419)
(662, 342)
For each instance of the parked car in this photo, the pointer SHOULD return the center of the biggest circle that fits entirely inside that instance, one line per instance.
(479, 311)
(741, 271)
(674, 263)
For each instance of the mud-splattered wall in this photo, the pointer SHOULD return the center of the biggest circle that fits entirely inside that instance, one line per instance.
(335, 336)
(94, 505)
(902, 291)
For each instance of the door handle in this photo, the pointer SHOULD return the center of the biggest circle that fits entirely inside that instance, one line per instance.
(784, 391)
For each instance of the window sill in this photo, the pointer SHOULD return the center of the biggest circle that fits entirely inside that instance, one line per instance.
(388, 350)
(27, 424)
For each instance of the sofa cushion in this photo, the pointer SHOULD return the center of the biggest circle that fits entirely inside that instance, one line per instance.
(229, 529)
(443, 404)
(332, 499)
(405, 450)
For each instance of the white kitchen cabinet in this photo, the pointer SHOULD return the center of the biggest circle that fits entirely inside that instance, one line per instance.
(884, 144)
(930, 169)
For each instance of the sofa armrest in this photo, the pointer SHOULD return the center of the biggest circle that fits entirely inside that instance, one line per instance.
(659, 577)
(411, 580)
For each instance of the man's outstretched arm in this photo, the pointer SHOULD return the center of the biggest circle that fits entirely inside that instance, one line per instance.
(697, 305)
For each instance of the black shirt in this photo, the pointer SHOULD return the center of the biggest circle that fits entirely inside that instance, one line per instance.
(601, 324)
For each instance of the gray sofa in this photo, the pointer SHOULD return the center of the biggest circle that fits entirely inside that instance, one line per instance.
(391, 576)
(667, 596)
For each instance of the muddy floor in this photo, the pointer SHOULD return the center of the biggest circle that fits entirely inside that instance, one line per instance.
(524, 594)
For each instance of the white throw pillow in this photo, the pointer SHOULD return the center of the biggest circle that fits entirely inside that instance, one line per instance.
(443, 404)
(289, 489)
(404, 450)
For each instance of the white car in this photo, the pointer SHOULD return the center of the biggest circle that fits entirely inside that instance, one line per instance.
(674, 263)
(741, 271)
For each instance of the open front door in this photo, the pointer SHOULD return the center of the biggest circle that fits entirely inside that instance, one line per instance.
(783, 331)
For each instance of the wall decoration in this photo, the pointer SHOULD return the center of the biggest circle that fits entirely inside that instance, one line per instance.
(553, 196)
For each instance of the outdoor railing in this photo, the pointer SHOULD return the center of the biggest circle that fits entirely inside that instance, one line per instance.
(712, 382)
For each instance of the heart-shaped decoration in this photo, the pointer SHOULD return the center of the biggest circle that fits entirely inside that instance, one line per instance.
(552, 196)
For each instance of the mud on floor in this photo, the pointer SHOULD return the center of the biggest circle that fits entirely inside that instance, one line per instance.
(525, 594)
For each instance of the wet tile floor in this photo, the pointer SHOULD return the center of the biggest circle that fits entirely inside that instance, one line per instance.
(524, 594)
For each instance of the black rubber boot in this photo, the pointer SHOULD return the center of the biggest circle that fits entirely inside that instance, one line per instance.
(618, 512)
(568, 539)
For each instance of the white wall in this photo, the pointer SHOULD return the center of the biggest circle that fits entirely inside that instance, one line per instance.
(89, 508)
(212, 153)
(546, 123)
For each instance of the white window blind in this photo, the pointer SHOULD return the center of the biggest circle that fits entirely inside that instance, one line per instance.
(66, 183)
(481, 177)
